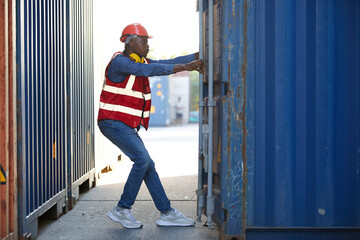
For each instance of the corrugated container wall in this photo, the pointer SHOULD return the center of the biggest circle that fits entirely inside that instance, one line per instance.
(8, 209)
(290, 119)
(82, 94)
(42, 112)
(307, 117)
(54, 78)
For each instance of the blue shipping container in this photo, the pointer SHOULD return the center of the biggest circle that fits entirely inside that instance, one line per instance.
(81, 82)
(160, 114)
(41, 110)
(54, 107)
(289, 117)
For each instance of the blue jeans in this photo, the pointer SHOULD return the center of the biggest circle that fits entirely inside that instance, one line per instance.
(130, 143)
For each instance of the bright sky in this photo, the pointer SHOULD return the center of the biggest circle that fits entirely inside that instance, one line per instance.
(174, 25)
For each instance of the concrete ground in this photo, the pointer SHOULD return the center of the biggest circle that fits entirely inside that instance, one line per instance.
(174, 150)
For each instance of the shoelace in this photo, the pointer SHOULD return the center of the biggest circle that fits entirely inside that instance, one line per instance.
(178, 213)
(128, 214)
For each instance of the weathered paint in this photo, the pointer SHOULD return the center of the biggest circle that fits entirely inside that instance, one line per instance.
(242, 118)
(8, 219)
(237, 59)
(290, 120)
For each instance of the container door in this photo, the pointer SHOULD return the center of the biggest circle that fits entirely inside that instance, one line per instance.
(212, 81)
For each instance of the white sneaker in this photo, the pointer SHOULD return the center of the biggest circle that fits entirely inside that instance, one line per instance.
(124, 217)
(174, 218)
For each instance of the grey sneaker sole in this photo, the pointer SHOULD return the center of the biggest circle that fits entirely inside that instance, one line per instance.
(162, 223)
(115, 219)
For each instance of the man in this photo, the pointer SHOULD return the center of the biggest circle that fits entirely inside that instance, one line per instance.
(125, 104)
(179, 112)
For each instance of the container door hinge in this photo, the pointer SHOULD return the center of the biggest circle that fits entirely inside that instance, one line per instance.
(205, 131)
(211, 103)
(202, 104)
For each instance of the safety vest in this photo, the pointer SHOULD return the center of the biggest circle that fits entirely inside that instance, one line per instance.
(128, 101)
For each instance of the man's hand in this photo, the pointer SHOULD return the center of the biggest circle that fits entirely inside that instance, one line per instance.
(197, 65)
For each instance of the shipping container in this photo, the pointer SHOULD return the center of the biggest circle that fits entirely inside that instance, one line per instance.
(160, 107)
(54, 107)
(81, 70)
(280, 118)
(8, 189)
(42, 113)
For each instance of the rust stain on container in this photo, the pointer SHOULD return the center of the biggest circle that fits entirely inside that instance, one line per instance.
(243, 115)
(54, 149)
(233, 8)
(8, 220)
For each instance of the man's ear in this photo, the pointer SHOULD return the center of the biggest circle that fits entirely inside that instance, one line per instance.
(131, 43)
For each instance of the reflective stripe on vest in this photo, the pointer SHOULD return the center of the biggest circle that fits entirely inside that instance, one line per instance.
(128, 92)
(123, 109)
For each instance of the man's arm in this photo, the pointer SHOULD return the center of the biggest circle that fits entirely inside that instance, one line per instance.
(121, 66)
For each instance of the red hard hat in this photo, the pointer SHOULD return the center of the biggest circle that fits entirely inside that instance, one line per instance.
(134, 29)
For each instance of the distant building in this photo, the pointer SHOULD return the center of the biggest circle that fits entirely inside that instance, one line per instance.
(166, 91)
(179, 86)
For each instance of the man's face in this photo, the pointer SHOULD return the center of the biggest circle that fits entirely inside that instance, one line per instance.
(140, 46)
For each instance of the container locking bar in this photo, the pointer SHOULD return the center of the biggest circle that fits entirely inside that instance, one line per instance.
(200, 191)
(210, 200)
